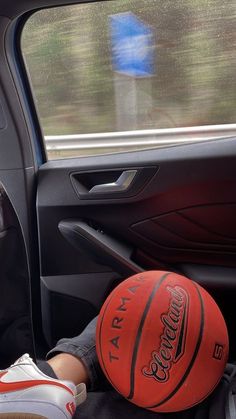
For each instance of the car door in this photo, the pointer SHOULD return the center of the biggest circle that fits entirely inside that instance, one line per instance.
(102, 217)
(177, 215)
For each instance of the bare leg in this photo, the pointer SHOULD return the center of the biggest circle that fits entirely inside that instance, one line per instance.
(75, 359)
(69, 367)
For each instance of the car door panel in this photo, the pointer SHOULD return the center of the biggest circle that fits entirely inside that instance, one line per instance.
(181, 215)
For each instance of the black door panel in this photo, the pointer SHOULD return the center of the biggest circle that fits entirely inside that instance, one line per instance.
(186, 206)
(181, 212)
(101, 247)
(69, 302)
(195, 234)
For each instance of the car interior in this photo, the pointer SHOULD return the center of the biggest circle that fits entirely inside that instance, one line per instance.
(72, 229)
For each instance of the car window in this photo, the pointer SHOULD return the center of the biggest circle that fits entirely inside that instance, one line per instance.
(129, 74)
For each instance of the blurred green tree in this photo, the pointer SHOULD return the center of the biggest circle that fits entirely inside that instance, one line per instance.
(67, 51)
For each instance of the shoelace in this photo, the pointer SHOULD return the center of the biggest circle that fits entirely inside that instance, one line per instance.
(81, 394)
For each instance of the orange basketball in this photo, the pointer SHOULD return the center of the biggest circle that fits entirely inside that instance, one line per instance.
(162, 341)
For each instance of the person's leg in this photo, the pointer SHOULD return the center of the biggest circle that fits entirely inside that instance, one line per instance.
(69, 367)
(26, 391)
(75, 359)
(48, 389)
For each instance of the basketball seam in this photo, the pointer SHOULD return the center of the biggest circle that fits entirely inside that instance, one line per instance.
(192, 360)
(101, 323)
(139, 334)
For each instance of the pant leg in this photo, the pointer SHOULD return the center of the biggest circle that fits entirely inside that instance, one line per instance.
(84, 347)
(103, 402)
(111, 405)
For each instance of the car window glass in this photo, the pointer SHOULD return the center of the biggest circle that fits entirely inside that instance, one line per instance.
(129, 66)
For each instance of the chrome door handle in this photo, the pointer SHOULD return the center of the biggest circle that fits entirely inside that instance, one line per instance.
(120, 185)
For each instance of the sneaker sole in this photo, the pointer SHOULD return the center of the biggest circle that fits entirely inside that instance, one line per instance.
(20, 416)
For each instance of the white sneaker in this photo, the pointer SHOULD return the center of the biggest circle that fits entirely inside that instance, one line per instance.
(26, 392)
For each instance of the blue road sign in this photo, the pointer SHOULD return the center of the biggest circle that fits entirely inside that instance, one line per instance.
(132, 45)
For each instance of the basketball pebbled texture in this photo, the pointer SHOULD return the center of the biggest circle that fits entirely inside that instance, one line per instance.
(162, 341)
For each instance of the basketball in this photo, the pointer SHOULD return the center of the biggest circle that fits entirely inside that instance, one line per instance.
(162, 341)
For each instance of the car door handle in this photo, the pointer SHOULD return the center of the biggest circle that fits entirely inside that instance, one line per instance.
(123, 182)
